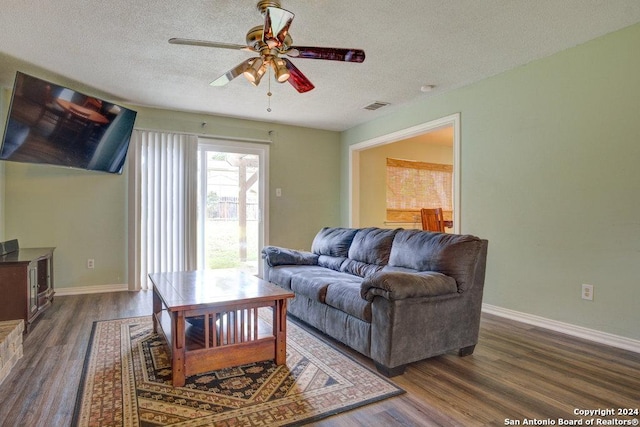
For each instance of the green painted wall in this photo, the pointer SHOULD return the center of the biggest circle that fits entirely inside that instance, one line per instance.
(549, 163)
(84, 214)
(80, 213)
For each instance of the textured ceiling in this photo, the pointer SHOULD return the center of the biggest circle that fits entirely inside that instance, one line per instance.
(120, 48)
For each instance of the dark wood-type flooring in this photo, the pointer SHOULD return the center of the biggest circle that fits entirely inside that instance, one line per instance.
(517, 372)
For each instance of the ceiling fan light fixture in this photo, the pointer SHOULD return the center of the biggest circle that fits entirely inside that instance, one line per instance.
(280, 69)
(255, 71)
(276, 26)
(269, 41)
(261, 72)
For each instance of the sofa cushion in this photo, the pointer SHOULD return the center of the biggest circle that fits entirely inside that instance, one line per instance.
(372, 245)
(313, 281)
(453, 255)
(359, 268)
(332, 262)
(333, 241)
(345, 296)
(282, 274)
(369, 251)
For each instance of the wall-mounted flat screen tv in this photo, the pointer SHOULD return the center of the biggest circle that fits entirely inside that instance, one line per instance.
(55, 125)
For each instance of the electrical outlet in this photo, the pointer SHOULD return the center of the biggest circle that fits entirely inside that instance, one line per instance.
(587, 292)
(90, 263)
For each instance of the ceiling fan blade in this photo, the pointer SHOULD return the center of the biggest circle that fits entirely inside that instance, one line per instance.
(298, 80)
(205, 43)
(232, 73)
(276, 26)
(329, 53)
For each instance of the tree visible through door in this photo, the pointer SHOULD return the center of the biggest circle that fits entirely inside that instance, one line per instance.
(230, 196)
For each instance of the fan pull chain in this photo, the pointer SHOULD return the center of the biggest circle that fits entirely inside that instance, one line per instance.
(269, 93)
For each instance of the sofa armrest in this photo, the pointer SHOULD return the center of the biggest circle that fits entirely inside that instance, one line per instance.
(274, 255)
(400, 285)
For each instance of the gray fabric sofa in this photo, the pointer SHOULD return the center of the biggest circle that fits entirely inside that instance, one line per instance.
(396, 296)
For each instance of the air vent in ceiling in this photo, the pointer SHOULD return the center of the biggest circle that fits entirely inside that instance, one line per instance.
(374, 106)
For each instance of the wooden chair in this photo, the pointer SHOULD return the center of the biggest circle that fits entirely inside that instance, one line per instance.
(432, 219)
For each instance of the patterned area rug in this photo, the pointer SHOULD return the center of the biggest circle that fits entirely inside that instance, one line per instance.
(127, 382)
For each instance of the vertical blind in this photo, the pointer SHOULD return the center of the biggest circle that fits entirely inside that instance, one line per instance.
(163, 205)
(413, 185)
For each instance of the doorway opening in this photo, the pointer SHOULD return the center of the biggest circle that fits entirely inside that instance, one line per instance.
(231, 204)
(362, 203)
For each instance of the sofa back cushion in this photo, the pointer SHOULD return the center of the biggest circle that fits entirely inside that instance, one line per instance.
(372, 245)
(453, 255)
(333, 241)
(359, 268)
(369, 251)
(332, 262)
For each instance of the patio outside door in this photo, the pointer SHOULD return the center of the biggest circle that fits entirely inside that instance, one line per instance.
(231, 205)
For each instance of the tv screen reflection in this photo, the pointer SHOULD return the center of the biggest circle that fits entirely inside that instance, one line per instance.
(55, 125)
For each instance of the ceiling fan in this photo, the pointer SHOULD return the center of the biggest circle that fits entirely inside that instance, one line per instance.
(270, 41)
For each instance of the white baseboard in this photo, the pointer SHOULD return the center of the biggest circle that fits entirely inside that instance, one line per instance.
(565, 328)
(98, 289)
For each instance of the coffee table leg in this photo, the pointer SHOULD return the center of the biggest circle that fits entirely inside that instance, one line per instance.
(177, 354)
(157, 308)
(280, 331)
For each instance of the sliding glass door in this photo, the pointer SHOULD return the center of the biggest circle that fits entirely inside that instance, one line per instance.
(231, 208)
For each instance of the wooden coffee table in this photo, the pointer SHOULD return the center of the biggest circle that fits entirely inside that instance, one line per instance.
(223, 328)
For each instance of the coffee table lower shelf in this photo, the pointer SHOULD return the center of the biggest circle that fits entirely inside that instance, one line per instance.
(198, 359)
(237, 337)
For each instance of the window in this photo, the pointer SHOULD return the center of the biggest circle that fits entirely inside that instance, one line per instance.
(413, 185)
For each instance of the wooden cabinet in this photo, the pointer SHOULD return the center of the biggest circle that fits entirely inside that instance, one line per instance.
(26, 284)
